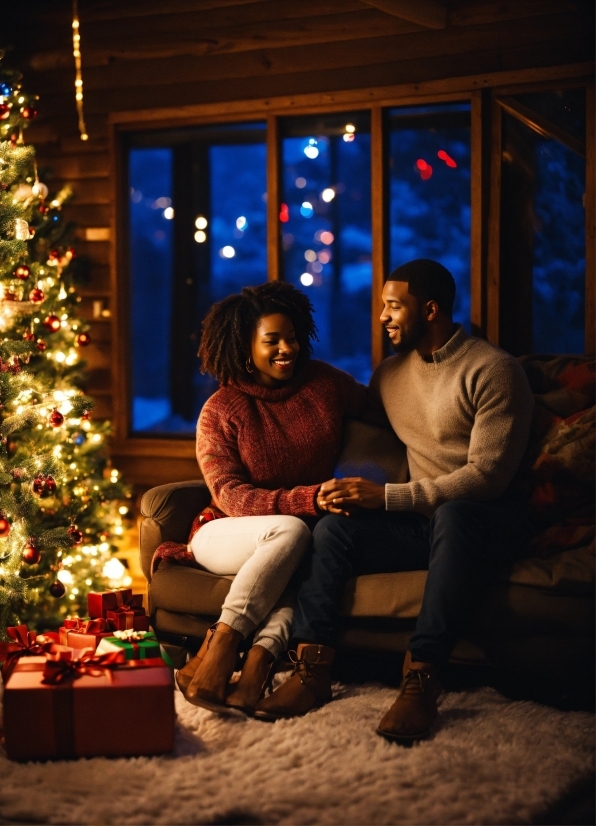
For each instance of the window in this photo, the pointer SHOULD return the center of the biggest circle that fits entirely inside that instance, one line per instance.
(542, 218)
(429, 191)
(326, 231)
(198, 233)
(491, 184)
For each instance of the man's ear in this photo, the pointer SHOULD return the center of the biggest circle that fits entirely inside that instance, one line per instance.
(431, 309)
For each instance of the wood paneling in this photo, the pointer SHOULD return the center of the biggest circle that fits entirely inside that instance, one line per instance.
(183, 61)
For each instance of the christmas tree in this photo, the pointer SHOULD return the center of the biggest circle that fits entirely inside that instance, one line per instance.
(62, 505)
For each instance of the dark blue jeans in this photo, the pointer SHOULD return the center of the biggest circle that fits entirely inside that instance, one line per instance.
(463, 546)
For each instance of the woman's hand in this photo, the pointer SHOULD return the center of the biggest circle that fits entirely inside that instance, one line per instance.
(339, 495)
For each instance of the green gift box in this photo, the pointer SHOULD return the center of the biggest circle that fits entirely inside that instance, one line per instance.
(137, 645)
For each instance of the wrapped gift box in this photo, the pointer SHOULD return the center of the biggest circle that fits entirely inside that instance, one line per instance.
(127, 620)
(136, 645)
(99, 602)
(23, 643)
(121, 712)
(84, 633)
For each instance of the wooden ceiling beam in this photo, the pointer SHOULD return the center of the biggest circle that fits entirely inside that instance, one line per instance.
(428, 13)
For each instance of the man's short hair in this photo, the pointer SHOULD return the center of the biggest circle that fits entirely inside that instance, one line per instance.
(428, 281)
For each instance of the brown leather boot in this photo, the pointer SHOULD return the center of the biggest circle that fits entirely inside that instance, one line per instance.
(308, 687)
(210, 681)
(254, 679)
(185, 675)
(415, 708)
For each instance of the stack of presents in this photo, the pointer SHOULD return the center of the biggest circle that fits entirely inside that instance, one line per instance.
(100, 686)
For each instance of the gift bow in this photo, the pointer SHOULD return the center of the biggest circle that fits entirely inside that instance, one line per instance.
(129, 635)
(133, 601)
(26, 643)
(59, 669)
(89, 626)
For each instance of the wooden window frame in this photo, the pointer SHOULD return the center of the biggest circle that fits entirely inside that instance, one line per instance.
(155, 460)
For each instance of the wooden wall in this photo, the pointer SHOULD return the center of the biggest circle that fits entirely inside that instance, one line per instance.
(151, 54)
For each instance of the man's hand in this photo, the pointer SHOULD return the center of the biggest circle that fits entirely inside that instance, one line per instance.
(340, 495)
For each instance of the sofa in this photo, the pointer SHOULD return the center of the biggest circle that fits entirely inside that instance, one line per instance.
(538, 615)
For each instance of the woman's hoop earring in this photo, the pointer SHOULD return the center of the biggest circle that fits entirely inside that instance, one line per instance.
(249, 369)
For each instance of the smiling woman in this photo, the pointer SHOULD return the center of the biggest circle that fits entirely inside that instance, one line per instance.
(266, 441)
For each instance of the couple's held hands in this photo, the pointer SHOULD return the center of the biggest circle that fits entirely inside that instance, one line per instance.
(340, 496)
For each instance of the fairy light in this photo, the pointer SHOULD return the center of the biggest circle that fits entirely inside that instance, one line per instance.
(76, 45)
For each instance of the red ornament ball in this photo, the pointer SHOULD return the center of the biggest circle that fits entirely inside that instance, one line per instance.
(86, 416)
(4, 527)
(23, 272)
(52, 323)
(83, 339)
(4, 111)
(76, 536)
(53, 255)
(44, 209)
(28, 112)
(44, 486)
(56, 418)
(28, 335)
(41, 345)
(9, 295)
(31, 554)
(57, 589)
(36, 296)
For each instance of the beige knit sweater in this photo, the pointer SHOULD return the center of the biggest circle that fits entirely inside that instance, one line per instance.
(464, 418)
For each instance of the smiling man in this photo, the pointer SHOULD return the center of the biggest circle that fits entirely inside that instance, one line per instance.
(463, 410)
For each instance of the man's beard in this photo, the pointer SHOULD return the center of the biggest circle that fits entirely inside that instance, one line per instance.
(410, 336)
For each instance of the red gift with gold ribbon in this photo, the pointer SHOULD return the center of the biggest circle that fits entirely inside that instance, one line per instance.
(84, 633)
(119, 599)
(58, 707)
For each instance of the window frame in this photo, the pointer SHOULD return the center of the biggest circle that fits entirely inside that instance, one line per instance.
(481, 91)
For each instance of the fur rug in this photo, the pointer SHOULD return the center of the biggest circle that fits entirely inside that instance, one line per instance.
(490, 761)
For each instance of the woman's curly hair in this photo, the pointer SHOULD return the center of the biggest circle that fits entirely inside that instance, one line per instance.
(228, 327)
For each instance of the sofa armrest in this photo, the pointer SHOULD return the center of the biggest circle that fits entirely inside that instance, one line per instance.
(168, 512)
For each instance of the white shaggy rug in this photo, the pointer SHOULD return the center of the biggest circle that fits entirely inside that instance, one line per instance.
(490, 761)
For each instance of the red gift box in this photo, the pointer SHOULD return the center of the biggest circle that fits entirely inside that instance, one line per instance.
(84, 633)
(24, 643)
(99, 602)
(57, 708)
(127, 621)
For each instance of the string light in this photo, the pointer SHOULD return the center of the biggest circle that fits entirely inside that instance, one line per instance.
(76, 45)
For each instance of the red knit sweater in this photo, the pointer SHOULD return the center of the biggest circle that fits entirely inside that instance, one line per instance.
(266, 451)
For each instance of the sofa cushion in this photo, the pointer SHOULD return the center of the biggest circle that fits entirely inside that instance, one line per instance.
(372, 452)
(396, 595)
(188, 591)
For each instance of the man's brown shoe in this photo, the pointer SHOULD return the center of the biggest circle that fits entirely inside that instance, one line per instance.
(255, 677)
(415, 708)
(209, 684)
(308, 687)
(185, 675)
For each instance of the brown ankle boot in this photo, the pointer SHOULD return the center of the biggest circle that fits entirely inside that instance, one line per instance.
(210, 682)
(415, 708)
(308, 687)
(185, 675)
(254, 679)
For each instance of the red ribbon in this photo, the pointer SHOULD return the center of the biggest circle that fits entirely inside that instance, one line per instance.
(58, 670)
(26, 643)
(86, 626)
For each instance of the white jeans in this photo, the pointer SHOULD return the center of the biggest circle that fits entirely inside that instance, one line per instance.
(262, 552)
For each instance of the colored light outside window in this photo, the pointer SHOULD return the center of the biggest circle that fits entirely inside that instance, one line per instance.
(429, 200)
